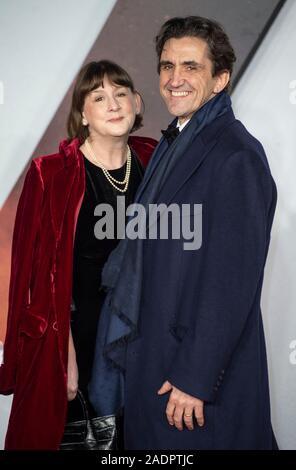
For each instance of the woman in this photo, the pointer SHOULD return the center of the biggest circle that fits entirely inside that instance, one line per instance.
(44, 359)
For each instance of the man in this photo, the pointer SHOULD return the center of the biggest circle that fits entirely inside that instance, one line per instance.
(195, 362)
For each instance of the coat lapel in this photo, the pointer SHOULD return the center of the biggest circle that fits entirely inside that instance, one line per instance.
(185, 167)
(67, 182)
(193, 157)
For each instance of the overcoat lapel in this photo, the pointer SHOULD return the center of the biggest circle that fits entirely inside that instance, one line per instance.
(68, 181)
(193, 158)
(183, 170)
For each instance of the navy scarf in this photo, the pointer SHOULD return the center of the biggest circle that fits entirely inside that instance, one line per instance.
(122, 275)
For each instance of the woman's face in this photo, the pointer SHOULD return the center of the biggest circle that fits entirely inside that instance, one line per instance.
(110, 111)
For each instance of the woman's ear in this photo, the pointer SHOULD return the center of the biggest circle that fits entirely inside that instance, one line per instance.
(138, 102)
(84, 120)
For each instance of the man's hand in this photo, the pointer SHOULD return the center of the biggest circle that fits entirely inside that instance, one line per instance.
(182, 407)
(72, 383)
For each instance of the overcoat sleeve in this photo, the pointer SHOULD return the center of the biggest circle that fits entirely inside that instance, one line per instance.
(235, 244)
(23, 243)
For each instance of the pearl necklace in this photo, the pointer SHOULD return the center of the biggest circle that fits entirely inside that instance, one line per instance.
(113, 181)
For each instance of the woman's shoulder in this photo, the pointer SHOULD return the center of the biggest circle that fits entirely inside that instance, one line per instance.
(66, 153)
(143, 147)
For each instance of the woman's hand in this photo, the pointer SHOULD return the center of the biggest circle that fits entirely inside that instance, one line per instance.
(72, 383)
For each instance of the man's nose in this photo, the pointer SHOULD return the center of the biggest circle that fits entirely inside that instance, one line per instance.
(177, 79)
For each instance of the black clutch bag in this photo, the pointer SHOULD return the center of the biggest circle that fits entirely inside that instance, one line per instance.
(97, 433)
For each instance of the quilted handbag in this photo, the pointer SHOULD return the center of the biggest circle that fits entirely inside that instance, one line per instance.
(97, 433)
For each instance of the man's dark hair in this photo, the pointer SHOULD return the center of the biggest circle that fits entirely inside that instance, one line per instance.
(221, 52)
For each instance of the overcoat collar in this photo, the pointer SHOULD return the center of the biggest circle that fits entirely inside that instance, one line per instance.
(67, 182)
(194, 156)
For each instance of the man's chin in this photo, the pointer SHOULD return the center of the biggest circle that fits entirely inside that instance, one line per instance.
(182, 117)
(175, 111)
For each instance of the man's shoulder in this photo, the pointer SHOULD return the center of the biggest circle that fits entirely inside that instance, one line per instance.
(241, 137)
(239, 146)
(237, 139)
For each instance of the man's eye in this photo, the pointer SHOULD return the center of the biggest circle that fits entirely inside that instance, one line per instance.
(191, 67)
(166, 67)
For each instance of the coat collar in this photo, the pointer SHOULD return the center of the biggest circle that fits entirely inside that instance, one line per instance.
(194, 156)
(70, 151)
(68, 182)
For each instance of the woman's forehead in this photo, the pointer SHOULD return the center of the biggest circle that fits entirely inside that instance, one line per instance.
(105, 83)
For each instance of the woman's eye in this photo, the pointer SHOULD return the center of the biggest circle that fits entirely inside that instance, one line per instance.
(121, 94)
(99, 98)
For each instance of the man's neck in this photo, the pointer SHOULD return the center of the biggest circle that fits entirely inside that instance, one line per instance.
(182, 124)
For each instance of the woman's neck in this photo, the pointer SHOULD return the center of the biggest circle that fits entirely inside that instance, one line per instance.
(111, 153)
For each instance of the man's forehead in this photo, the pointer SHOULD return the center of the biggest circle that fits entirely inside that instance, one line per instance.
(190, 48)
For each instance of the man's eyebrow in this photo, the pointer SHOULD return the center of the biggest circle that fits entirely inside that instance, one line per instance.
(165, 62)
(192, 62)
(186, 62)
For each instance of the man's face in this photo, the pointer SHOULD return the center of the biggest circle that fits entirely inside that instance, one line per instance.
(186, 80)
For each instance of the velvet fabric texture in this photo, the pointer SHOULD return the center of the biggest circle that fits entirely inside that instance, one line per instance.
(36, 344)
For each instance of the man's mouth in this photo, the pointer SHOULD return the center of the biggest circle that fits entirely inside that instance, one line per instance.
(177, 94)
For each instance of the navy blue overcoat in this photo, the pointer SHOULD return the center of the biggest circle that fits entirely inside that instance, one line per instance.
(200, 323)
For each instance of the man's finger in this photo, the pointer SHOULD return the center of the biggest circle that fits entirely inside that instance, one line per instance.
(165, 388)
(170, 413)
(188, 418)
(178, 418)
(198, 412)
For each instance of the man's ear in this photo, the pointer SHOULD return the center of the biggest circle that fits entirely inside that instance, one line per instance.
(222, 80)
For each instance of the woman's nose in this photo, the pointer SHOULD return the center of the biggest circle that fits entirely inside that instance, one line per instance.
(114, 104)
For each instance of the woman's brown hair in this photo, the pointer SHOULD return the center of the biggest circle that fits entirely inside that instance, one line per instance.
(90, 77)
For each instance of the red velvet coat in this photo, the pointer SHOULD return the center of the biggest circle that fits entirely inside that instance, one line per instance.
(36, 344)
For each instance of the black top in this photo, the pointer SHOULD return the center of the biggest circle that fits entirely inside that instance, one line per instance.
(90, 255)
